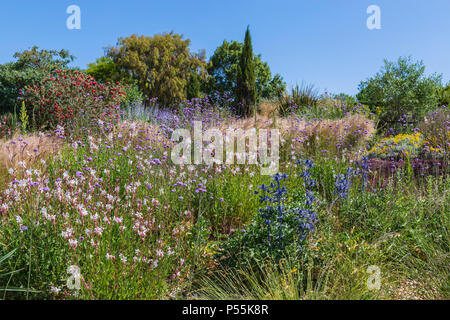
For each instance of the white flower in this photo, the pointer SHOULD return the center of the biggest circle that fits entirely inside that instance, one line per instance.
(122, 257)
(55, 289)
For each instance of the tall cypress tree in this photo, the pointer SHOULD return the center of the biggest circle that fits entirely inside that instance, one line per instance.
(246, 78)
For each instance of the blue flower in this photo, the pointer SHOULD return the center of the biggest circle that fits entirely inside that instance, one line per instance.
(306, 217)
(342, 184)
(274, 193)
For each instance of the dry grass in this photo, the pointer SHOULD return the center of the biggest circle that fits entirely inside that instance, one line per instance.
(268, 108)
(347, 133)
(29, 149)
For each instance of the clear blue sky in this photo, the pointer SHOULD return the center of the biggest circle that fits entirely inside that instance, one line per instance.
(324, 42)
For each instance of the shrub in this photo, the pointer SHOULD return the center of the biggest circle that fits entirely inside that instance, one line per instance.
(31, 67)
(133, 96)
(414, 145)
(402, 91)
(67, 98)
(397, 146)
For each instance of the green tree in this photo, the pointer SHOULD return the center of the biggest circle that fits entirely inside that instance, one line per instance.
(161, 65)
(31, 66)
(49, 60)
(400, 90)
(104, 70)
(246, 78)
(193, 87)
(223, 69)
(444, 96)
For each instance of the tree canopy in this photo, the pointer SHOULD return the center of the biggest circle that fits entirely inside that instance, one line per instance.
(30, 67)
(161, 65)
(223, 69)
(105, 70)
(401, 90)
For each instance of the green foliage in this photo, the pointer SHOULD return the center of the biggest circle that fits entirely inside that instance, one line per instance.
(161, 65)
(401, 90)
(193, 87)
(246, 78)
(30, 67)
(348, 100)
(335, 107)
(444, 96)
(104, 70)
(223, 68)
(5, 277)
(249, 245)
(43, 59)
(133, 96)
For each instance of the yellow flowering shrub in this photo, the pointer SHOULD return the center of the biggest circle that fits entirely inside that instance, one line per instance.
(403, 146)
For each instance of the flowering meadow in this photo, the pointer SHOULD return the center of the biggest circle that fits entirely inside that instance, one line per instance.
(108, 200)
(94, 206)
